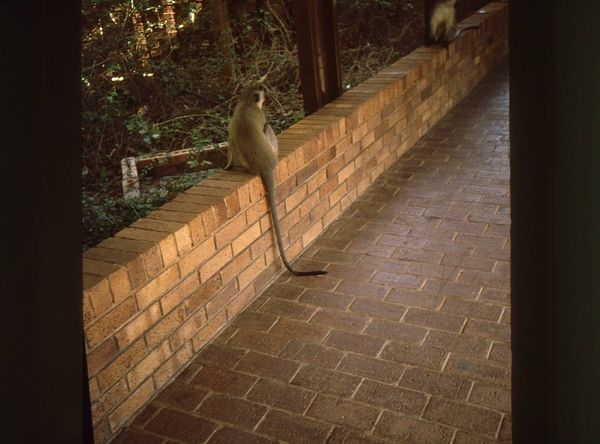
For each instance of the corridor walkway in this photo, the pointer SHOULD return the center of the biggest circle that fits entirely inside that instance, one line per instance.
(406, 340)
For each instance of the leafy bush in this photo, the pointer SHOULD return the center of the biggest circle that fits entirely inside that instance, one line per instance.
(156, 78)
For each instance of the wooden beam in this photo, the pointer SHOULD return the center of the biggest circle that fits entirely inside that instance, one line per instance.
(318, 52)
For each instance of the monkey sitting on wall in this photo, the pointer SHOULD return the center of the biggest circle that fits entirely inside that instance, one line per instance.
(442, 23)
(252, 144)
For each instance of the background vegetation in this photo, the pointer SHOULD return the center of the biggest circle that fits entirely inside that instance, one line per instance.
(160, 75)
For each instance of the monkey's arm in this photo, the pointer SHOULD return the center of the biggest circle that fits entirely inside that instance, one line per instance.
(271, 138)
(231, 155)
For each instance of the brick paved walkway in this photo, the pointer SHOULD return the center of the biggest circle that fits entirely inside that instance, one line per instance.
(405, 341)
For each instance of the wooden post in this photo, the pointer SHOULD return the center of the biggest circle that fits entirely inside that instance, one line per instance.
(318, 52)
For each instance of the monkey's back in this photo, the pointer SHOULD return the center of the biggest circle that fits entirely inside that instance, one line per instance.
(246, 130)
(443, 20)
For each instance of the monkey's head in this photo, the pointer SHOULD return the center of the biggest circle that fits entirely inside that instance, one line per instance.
(254, 94)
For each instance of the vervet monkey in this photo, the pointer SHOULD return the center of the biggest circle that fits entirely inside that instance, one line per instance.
(442, 23)
(252, 144)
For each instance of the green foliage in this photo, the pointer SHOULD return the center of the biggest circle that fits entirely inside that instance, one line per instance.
(104, 216)
(155, 78)
(376, 33)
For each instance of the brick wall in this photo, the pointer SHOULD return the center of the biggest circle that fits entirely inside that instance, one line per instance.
(156, 293)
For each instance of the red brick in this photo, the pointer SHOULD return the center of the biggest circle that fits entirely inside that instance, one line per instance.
(340, 320)
(133, 436)
(206, 291)
(281, 396)
(478, 369)
(246, 238)
(288, 309)
(101, 356)
(313, 354)
(120, 285)
(490, 330)
(342, 412)
(468, 262)
(327, 300)
(138, 326)
(100, 297)
(183, 397)
(464, 344)
(464, 227)
(500, 352)
(113, 320)
(102, 432)
(467, 417)
(365, 345)
(215, 263)
(249, 275)
(181, 426)
(327, 381)
(334, 256)
(372, 368)
(506, 429)
(222, 380)
(293, 429)
(155, 288)
(222, 356)
(180, 230)
(358, 276)
(252, 320)
(415, 355)
(233, 411)
(463, 437)
(392, 398)
(370, 249)
(452, 289)
(493, 397)
(268, 366)
(472, 309)
(121, 365)
(179, 293)
(412, 431)
(369, 290)
(396, 331)
(148, 365)
(148, 251)
(110, 399)
(431, 257)
(299, 330)
(197, 256)
(415, 298)
(262, 342)
(207, 332)
(484, 279)
(430, 270)
(188, 326)
(131, 405)
(219, 301)
(343, 436)
(397, 280)
(94, 388)
(163, 328)
(378, 309)
(227, 435)
(495, 296)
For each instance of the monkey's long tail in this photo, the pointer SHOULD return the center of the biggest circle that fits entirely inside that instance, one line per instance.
(270, 185)
(466, 28)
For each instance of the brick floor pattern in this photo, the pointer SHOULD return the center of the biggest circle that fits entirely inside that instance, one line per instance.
(406, 340)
